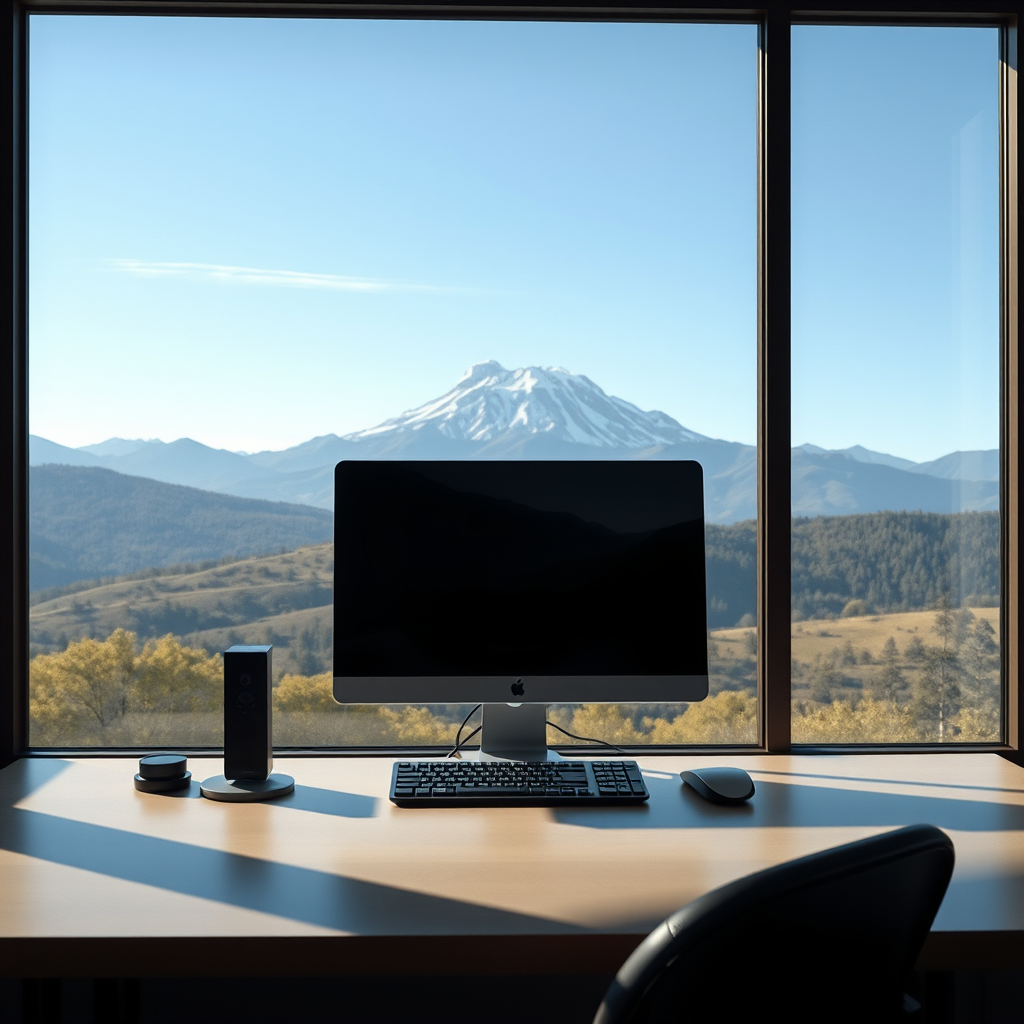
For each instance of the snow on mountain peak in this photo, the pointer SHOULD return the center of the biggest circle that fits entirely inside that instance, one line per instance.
(489, 402)
(482, 371)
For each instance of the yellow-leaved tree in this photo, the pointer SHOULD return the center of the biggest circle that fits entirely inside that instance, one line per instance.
(868, 721)
(112, 692)
(728, 717)
(305, 713)
(304, 694)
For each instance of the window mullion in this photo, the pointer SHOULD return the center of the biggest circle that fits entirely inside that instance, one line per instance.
(1009, 472)
(14, 602)
(773, 447)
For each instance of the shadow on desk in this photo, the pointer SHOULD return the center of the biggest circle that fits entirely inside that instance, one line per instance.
(304, 798)
(801, 805)
(284, 890)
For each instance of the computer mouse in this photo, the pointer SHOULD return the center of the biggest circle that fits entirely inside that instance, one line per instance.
(720, 785)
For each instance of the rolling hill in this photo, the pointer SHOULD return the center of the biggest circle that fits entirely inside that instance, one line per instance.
(892, 562)
(284, 599)
(88, 522)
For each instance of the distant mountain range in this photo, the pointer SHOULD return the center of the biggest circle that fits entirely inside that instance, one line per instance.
(536, 413)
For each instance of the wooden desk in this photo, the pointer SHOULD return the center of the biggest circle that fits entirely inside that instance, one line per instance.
(97, 879)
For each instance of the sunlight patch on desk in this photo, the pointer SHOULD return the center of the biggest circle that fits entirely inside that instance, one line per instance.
(105, 906)
(335, 902)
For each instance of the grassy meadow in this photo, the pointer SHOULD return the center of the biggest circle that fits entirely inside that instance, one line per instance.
(902, 677)
(283, 599)
(909, 677)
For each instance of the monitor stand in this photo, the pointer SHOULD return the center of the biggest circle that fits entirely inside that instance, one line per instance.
(515, 732)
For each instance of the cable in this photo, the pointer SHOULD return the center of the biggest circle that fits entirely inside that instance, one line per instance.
(458, 740)
(466, 740)
(588, 739)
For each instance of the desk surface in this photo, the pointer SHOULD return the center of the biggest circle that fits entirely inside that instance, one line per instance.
(96, 878)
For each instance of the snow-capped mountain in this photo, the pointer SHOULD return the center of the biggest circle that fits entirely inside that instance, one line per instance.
(491, 403)
(535, 413)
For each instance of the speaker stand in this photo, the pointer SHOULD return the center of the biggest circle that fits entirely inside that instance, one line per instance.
(246, 790)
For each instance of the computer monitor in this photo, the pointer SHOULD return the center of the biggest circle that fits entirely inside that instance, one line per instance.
(519, 583)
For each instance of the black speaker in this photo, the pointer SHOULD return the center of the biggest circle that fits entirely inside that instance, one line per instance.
(248, 730)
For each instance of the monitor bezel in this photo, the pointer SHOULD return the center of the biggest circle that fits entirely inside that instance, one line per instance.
(526, 689)
(535, 689)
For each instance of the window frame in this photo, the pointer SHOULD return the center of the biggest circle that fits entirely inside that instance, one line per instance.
(773, 320)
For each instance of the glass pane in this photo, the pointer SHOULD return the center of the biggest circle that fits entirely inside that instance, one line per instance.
(895, 385)
(253, 243)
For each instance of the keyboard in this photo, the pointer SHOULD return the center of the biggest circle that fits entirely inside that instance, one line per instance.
(454, 783)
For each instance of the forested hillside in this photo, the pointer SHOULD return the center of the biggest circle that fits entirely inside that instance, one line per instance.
(890, 561)
(852, 565)
(283, 599)
(87, 523)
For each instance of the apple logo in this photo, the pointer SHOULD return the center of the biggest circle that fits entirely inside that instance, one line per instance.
(518, 689)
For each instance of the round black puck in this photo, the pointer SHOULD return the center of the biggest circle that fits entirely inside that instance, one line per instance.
(163, 766)
(162, 785)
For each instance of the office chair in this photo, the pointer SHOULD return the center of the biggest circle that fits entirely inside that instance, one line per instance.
(829, 937)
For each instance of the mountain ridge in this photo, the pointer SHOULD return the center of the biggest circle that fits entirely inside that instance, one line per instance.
(550, 413)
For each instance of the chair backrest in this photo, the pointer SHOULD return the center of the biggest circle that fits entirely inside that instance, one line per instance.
(832, 936)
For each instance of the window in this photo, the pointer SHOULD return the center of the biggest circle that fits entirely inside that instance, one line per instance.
(605, 229)
(896, 581)
(557, 211)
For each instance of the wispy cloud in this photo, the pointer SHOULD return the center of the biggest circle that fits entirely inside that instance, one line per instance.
(272, 278)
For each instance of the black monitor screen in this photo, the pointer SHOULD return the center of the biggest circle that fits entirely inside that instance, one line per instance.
(584, 580)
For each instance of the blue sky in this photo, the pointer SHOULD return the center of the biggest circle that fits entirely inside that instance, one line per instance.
(895, 239)
(254, 232)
